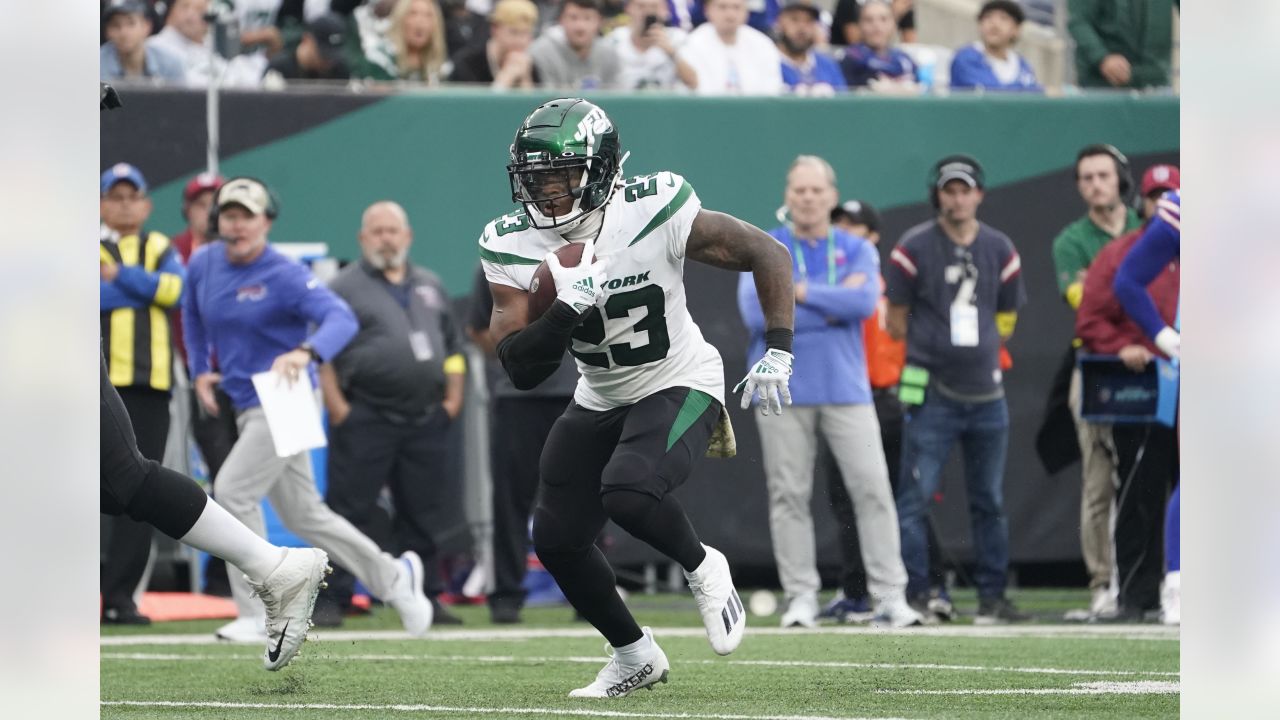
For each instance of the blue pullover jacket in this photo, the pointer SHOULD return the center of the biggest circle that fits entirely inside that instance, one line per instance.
(830, 359)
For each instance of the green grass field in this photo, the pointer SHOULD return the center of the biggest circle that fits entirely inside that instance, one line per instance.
(368, 670)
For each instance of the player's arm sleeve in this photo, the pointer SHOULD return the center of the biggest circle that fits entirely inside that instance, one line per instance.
(850, 304)
(193, 330)
(481, 306)
(163, 287)
(533, 353)
(1157, 247)
(335, 322)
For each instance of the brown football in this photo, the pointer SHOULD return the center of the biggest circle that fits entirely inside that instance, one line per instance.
(542, 290)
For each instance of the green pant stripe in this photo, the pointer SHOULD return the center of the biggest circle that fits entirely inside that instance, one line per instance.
(694, 405)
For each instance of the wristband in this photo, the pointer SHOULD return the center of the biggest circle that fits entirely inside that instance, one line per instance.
(779, 339)
(310, 349)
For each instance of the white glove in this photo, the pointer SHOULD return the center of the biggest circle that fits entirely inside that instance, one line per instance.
(1169, 342)
(582, 286)
(769, 376)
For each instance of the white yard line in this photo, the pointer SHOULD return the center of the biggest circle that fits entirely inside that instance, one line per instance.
(142, 657)
(469, 710)
(1144, 687)
(1081, 632)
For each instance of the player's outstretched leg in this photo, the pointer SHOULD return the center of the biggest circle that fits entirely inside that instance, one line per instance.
(642, 664)
(289, 594)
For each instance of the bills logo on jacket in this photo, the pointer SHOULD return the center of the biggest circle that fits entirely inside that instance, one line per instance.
(251, 293)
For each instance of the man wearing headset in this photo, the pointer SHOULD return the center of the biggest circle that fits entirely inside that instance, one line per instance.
(1105, 182)
(252, 307)
(954, 288)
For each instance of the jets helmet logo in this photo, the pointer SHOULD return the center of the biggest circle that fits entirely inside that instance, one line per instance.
(591, 126)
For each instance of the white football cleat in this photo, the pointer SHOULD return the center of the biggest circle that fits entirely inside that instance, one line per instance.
(618, 679)
(289, 595)
(718, 602)
(408, 598)
(896, 613)
(244, 630)
(802, 611)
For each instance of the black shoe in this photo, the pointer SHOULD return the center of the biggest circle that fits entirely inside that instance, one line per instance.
(124, 616)
(327, 613)
(442, 614)
(504, 612)
(998, 611)
(1122, 616)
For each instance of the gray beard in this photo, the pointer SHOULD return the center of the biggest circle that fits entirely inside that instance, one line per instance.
(381, 262)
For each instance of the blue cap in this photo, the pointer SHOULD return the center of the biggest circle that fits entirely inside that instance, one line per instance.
(123, 172)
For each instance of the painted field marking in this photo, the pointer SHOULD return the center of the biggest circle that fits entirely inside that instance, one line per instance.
(1142, 687)
(518, 712)
(596, 660)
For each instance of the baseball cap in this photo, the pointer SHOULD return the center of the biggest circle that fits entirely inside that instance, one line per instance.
(958, 170)
(132, 7)
(857, 212)
(201, 183)
(123, 172)
(806, 5)
(1008, 7)
(514, 13)
(330, 33)
(246, 192)
(1160, 177)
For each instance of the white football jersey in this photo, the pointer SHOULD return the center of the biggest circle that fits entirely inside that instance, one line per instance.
(642, 339)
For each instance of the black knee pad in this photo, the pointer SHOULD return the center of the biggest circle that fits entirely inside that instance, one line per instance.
(170, 501)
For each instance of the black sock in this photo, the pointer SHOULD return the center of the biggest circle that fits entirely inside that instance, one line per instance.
(661, 523)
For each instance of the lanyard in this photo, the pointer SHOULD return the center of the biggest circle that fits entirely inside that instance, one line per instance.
(831, 258)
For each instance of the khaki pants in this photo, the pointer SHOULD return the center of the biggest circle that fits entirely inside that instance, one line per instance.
(789, 442)
(253, 472)
(1098, 494)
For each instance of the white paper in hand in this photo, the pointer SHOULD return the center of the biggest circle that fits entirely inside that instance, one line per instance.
(292, 413)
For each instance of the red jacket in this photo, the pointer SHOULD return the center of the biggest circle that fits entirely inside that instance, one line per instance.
(1101, 323)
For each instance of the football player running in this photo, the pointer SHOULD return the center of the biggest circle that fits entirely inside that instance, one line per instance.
(652, 389)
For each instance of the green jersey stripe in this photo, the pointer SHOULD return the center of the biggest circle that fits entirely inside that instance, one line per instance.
(694, 404)
(666, 213)
(506, 258)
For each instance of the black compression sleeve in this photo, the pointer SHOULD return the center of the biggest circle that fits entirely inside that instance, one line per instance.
(532, 354)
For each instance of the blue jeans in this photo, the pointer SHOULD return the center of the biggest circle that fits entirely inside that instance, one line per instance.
(929, 432)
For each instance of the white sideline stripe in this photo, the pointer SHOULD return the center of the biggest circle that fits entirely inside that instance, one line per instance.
(1081, 632)
(519, 712)
(1145, 687)
(595, 660)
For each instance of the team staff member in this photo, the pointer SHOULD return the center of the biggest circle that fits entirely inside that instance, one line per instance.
(955, 285)
(141, 280)
(837, 285)
(392, 395)
(252, 306)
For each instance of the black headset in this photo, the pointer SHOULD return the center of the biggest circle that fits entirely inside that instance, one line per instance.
(1123, 171)
(272, 210)
(968, 163)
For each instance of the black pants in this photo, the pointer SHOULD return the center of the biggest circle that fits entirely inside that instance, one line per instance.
(368, 452)
(853, 577)
(519, 427)
(129, 541)
(1147, 467)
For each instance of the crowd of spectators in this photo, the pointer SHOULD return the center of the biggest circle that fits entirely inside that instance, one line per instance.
(706, 47)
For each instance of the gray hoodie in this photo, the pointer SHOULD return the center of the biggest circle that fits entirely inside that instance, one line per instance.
(559, 66)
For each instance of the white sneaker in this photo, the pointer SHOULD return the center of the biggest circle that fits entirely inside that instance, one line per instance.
(802, 611)
(1104, 602)
(718, 602)
(896, 613)
(408, 598)
(618, 679)
(289, 594)
(244, 630)
(1171, 599)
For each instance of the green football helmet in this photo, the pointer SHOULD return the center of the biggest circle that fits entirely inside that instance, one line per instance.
(566, 162)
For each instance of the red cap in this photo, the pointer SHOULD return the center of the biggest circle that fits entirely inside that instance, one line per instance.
(1160, 177)
(207, 181)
